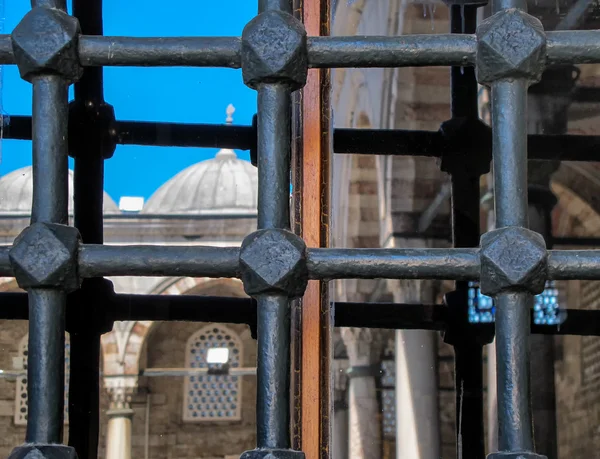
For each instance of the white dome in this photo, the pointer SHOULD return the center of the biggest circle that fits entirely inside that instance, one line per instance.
(222, 185)
(16, 194)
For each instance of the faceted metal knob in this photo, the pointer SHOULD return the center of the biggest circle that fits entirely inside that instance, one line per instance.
(45, 255)
(46, 41)
(274, 261)
(42, 451)
(510, 44)
(513, 258)
(274, 50)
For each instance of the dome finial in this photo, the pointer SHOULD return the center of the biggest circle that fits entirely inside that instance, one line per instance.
(230, 111)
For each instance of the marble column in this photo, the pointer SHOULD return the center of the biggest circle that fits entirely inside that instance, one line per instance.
(340, 410)
(417, 406)
(120, 414)
(364, 348)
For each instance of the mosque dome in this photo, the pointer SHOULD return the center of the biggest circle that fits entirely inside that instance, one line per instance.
(16, 194)
(222, 185)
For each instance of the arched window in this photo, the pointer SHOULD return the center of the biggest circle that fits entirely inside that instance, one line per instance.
(213, 397)
(21, 391)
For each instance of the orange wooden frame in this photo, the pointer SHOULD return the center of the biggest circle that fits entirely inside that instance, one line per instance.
(311, 197)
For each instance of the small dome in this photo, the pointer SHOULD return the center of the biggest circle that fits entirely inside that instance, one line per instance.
(16, 194)
(222, 185)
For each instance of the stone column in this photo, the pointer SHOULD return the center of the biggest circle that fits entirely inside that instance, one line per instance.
(364, 348)
(417, 407)
(340, 410)
(118, 437)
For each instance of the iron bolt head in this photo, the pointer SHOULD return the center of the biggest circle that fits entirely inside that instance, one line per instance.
(510, 44)
(513, 258)
(42, 451)
(46, 42)
(516, 455)
(272, 454)
(274, 50)
(44, 255)
(274, 261)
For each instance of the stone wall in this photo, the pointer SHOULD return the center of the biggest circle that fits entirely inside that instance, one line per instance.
(169, 436)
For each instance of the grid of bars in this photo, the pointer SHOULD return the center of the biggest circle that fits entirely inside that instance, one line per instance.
(275, 70)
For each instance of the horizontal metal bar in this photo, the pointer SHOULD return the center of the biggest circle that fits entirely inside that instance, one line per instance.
(199, 308)
(399, 51)
(152, 372)
(5, 268)
(193, 261)
(6, 52)
(563, 47)
(574, 264)
(573, 47)
(359, 141)
(156, 372)
(160, 52)
(449, 264)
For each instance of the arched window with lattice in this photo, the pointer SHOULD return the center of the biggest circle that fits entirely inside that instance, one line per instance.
(21, 391)
(213, 397)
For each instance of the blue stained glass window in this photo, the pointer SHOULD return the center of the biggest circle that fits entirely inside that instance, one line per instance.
(546, 306)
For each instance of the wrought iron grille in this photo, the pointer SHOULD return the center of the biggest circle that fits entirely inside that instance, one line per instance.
(62, 267)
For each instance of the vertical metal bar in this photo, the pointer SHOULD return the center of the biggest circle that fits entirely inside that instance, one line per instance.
(45, 372)
(276, 5)
(274, 124)
(515, 432)
(84, 386)
(468, 349)
(49, 141)
(273, 372)
(273, 311)
(45, 367)
(509, 109)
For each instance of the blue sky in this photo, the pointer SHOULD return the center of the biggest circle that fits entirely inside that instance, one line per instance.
(149, 94)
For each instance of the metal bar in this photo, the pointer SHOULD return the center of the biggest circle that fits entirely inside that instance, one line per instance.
(573, 47)
(358, 141)
(99, 260)
(274, 129)
(509, 109)
(509, 144)
(394, 316)
(84, 383)
(6, 52)
(185, 135)
(158, 372)
(450, 264)
(273, 310)
(45, 367)
(50, 163)
(5, 267)
(160, 52)
(273, 388)
(574, 264)
(515, 425)
(465, 213)
(402, 51)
